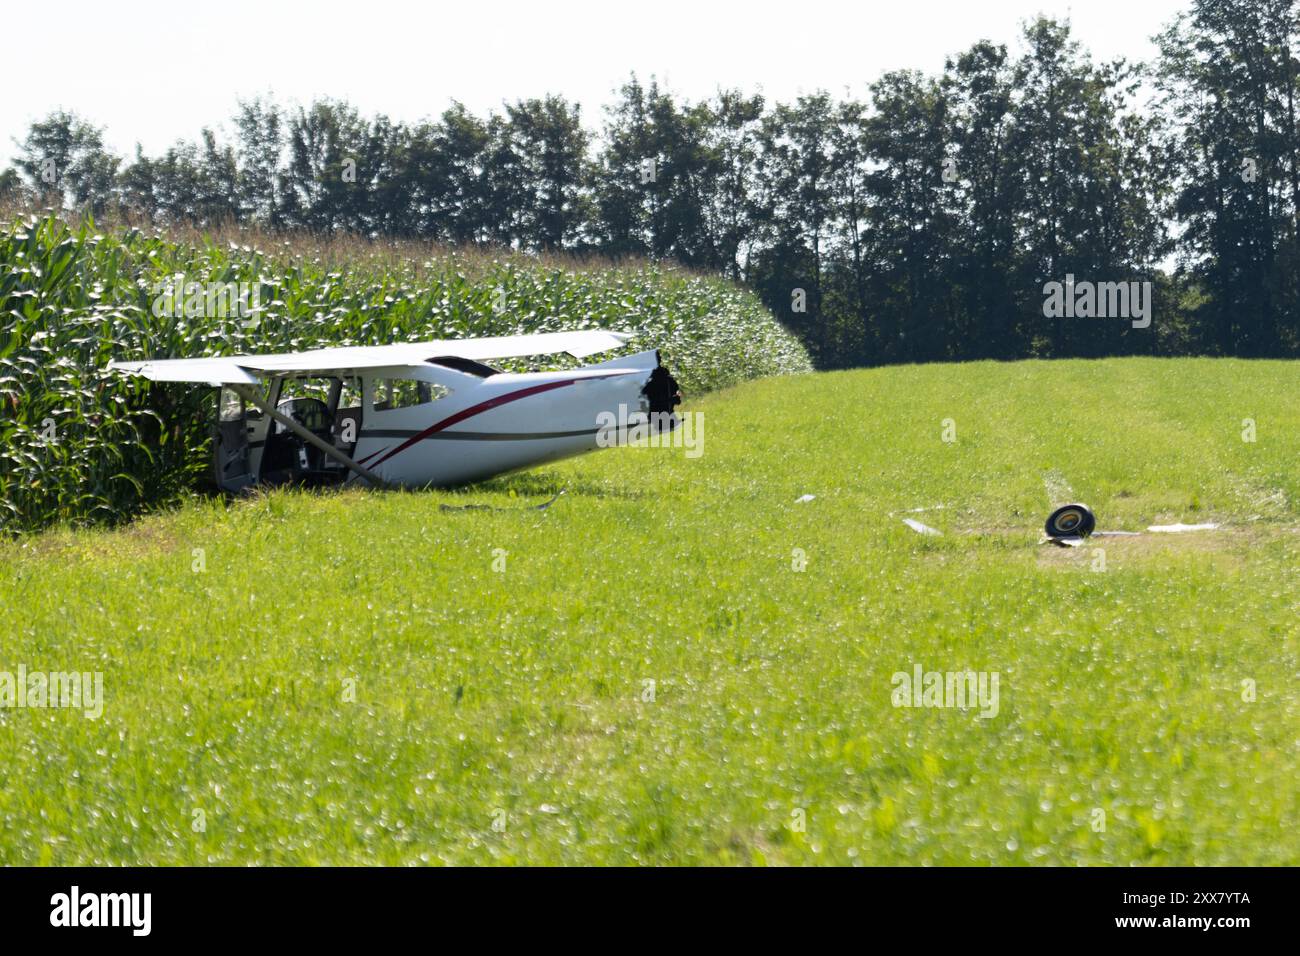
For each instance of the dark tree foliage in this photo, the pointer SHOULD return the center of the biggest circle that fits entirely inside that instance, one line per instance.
(63, 161)
(1228, 78)
(927, 222)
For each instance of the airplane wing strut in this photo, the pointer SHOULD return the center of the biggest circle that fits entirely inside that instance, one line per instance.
(249, 394)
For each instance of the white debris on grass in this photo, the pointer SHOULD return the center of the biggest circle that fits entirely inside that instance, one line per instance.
(1074, 542)
(920, 528)
(804, 499)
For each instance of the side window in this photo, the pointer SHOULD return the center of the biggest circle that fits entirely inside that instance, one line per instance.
(232, 406)
(317, 388)
(393, 393)
(350, 393)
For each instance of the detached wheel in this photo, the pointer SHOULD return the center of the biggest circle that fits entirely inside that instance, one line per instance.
(1071, 521)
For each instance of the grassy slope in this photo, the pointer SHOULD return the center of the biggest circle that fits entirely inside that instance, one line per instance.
(522, 691)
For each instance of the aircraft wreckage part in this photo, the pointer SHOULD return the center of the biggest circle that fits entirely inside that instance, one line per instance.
(250, 395)
(921, 528)
(1071, 521)
(542, 507)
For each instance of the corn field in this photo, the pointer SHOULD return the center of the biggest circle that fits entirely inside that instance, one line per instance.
(80, 445)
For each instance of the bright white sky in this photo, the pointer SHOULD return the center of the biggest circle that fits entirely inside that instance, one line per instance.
(154, 71)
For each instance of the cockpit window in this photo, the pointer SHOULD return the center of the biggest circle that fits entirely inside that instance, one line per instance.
(468, 366)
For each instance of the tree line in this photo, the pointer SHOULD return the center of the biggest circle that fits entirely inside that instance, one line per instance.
(923, 222)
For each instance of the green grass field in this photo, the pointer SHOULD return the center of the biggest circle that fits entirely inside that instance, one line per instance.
(346, 678)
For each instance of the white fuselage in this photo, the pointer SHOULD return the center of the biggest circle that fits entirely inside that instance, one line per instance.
(504, 422)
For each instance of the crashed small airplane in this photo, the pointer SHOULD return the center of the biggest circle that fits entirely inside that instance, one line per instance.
(417, 414)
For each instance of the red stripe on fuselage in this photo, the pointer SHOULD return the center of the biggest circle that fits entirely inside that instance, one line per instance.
(481, 407)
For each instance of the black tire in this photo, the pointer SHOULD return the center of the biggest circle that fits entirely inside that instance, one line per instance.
(1071, 521)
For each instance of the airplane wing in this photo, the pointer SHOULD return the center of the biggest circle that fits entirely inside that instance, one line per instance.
(250, 369)
(214, 371)
(578, 344)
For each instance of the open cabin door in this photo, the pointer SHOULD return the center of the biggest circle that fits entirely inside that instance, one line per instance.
(240, 439)
(299, 429)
